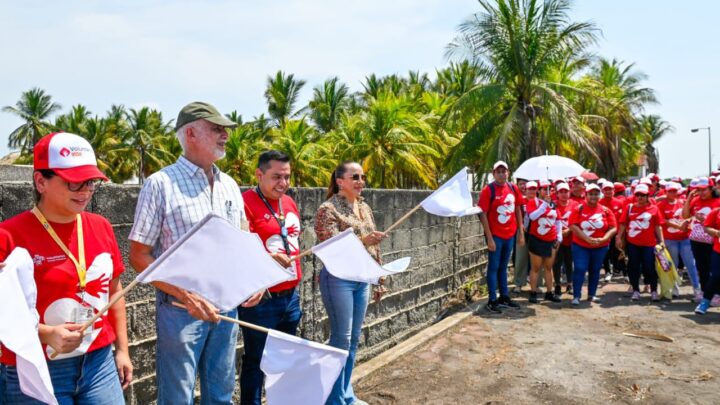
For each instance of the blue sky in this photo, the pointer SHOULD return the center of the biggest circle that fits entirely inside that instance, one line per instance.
(167, 53)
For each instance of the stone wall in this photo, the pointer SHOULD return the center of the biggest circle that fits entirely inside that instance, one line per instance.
(446, 254)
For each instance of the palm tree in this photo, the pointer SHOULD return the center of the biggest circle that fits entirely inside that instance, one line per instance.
(395, 144)
(311, 159)
(328, 102)
(34, 107)
(74, 121)
(244, 145)
(655, 128)
(148, 142)
(515, 43)
(281, 94)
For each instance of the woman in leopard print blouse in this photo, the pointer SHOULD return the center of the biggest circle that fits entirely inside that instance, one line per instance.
(346, 301)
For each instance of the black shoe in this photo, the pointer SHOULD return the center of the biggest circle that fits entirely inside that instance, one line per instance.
(506, 302)
(551, 297)
(533, 299)
(558, 290)
(493, 306)
(568, 290)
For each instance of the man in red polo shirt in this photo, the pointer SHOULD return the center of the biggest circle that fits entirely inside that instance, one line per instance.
(274, 216)
(502, 220)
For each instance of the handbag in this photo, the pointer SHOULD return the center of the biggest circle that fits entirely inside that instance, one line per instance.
(698, 234)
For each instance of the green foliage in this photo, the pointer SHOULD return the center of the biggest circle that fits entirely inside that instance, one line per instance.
(520, 83)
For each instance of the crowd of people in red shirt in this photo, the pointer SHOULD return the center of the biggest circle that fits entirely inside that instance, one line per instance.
(570, 229)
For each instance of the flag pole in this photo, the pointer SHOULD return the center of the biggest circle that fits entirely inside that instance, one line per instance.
(233, 320)
(403, 218)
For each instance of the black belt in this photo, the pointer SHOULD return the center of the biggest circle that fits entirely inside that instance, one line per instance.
(279, 294)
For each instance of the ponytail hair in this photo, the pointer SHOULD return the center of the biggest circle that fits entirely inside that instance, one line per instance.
(338, 173)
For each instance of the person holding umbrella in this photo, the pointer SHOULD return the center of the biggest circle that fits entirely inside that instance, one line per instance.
(502, 224)
(593, 226)
(544, 237)
(563, 256)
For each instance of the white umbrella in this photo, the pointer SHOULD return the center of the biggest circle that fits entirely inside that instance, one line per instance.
(548, 167)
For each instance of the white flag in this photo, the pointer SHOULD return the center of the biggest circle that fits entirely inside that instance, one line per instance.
(452, 199)
(345, 257)
(219, 262)
(298, 371)
(18, 329)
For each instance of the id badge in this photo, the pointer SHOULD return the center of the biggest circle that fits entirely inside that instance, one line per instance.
(82, 314)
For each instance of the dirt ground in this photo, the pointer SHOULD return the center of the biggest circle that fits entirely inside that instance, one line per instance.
(555, 354)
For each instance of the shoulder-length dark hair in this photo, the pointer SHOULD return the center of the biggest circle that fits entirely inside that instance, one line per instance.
(339, 172)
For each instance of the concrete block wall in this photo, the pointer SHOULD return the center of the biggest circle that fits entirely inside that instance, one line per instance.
(446, 253)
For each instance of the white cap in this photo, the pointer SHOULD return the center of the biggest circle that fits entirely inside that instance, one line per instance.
(531, 184)
(500, 163)
(607, 184)
(646, 180)
(591, 187)
(562, 186)
(671, 185)
(642, 189)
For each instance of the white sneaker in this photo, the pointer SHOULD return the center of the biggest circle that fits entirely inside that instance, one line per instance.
(594, 299)
(715, 302)
(654, 296)
(635, 296)
(676, 291)
(575, 302)
(608, 278)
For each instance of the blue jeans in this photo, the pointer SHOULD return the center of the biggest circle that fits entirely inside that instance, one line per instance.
(346, 303)
(587, 260)
(88, 379)
(497, 266)
(279, 313)
(641, 260)
(186, 347)
(682, 248)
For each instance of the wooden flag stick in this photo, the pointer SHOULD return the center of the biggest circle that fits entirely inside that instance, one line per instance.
(403, 218)
(233, 320)
(393, 226)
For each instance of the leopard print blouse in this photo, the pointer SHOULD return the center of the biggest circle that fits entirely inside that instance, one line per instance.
(336, 215)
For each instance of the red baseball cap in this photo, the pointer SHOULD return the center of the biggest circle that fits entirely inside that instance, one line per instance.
(68, 155)
(619, 187)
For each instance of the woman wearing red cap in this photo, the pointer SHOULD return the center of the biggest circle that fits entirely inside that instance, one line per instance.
(593, 227)
(698, 205)
(77, 267)
(642, 221)
(545, 235)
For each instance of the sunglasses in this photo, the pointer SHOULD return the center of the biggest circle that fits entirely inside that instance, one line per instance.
(91, 185)
(358, 177)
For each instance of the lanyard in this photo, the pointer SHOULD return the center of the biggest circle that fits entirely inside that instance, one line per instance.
(280, 218)
(79, 266)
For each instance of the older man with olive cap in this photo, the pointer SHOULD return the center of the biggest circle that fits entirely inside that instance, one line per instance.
(171, 202)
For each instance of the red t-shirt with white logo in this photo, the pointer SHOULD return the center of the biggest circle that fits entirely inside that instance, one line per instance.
(594, 222)
(703, 207)
(614, 204)
(501, 211)
(712, 220)
(58, 292)
(263, 223)
(640, 224)
(580, 199)
(672, 211)
(542, 227)
(564, 213)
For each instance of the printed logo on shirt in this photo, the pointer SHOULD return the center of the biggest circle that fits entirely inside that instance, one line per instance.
(676, 215)
(39, 259)
(547, 223)
(640, 223)
(592, 224)
(506, 209)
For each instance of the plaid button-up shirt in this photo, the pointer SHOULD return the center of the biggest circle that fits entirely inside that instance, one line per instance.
(177, 197)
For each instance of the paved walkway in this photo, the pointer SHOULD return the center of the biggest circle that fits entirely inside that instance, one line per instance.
(555, 354)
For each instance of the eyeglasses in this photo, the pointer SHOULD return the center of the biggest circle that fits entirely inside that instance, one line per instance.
(91, 185)
(358, 177)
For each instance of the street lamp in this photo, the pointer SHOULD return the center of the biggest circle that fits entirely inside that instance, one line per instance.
(709, 147)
